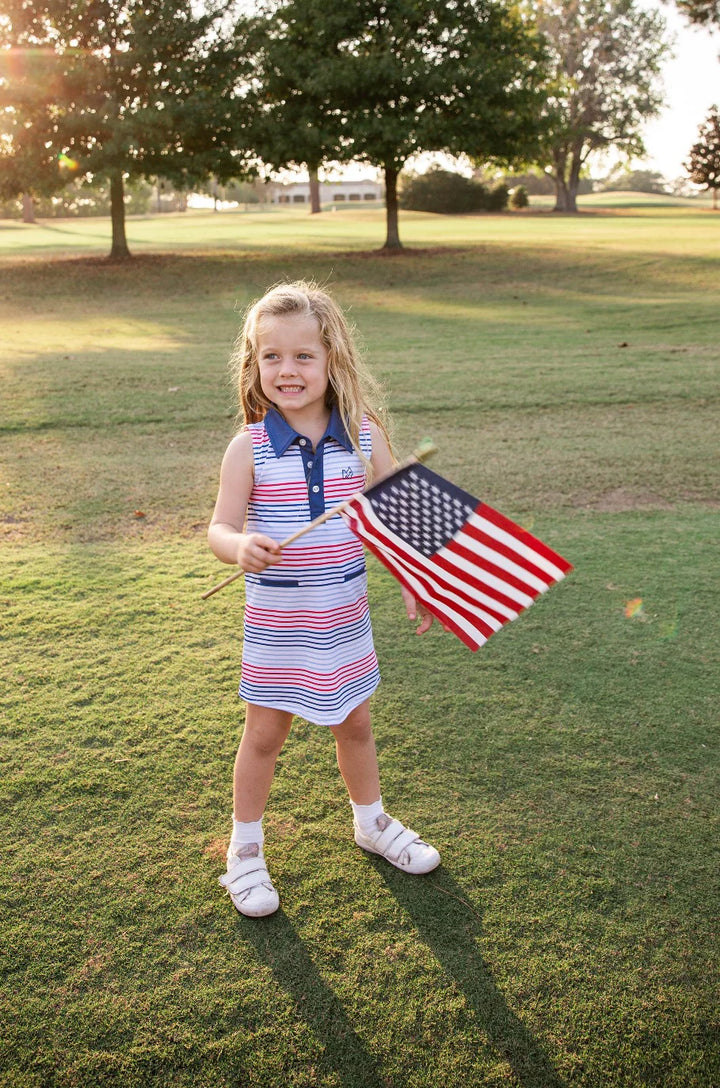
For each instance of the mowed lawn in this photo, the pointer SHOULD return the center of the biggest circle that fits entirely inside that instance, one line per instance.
(567, 370)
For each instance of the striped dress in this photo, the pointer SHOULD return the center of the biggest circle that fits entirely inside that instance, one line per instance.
(308, 646)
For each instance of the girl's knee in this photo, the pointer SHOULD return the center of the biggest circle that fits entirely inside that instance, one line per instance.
(266, 736)
(356, 729)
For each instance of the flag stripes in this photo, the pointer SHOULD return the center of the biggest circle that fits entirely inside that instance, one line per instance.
(484, 573)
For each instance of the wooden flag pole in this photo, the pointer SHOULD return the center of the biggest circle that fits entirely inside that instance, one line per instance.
(424, 450)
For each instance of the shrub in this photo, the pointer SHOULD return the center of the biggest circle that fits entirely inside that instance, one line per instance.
(447, 193)
(519, 197)
(496, 199)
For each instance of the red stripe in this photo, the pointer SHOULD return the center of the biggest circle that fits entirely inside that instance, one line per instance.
(314, 621)
(436, 563)
(487, 512)
(324, 555)
(507, 552)
(279, 492)
(486, 566)
(313, 681)
(472, 579)
(429, 584)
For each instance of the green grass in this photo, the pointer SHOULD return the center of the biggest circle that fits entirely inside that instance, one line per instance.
(567, 370)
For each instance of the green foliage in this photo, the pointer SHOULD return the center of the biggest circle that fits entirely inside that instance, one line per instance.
(519, 197)
(379, 83)
(535, 182)
(85, 197)
(449, 193)
(637, 181)
(243, 192)
(31, 79)
(703, 165)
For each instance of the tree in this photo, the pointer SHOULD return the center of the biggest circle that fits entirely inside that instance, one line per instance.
(28, 165)
(519, 197)
(703, 165)
(700, 12)
(139, 88)
(607, 56)
(638, 181)
(286, 125)
(381, 81)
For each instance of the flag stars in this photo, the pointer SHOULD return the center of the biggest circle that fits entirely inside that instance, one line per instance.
(419, 511)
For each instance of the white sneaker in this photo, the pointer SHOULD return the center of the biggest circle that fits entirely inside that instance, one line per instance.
(248, 882)
(398, 845)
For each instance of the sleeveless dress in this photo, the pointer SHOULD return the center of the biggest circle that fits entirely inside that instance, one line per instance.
(308, 646)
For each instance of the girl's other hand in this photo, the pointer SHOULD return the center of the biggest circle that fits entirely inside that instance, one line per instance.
(257, 552)
(413, 608)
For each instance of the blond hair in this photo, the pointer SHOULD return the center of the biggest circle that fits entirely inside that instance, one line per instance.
(350, 386)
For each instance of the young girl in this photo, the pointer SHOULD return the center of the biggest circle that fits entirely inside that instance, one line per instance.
(311, 439)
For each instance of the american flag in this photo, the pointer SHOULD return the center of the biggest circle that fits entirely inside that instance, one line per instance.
(469, 565)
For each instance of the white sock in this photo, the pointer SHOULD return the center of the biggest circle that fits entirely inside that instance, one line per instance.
(243, 833)
(367, 815)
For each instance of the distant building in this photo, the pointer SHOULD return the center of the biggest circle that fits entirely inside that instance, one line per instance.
(331, 192)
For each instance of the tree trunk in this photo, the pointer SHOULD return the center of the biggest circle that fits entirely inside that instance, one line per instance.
(392, 241)
(561, 194)
(565, 193)
(314, 190)
(572, 189)
(567, 180)
(28, 206)
(119, 248)
(574, 178)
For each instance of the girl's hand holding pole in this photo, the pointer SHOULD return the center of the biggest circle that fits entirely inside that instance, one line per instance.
(256, 552)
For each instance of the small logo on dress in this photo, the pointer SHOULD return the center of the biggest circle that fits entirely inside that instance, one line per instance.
(347, 474)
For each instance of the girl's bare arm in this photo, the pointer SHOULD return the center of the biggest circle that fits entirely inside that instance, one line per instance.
(226, 535)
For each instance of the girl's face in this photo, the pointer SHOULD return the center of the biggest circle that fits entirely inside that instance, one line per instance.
(293, 364)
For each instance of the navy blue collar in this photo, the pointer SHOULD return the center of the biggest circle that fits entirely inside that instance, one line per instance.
(282, 435)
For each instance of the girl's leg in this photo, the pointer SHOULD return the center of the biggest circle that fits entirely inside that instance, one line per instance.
(356, 756)
(374, 829)
(265, 733)
(247, 879)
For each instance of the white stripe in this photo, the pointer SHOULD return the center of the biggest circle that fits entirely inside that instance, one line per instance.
(522, 599)
(517, 546)
(497, 559)
(476, 594)
(443, 602)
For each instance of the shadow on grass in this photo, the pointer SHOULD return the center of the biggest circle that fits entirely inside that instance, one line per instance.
(344, 1052)
(450, 926)
(102, 234)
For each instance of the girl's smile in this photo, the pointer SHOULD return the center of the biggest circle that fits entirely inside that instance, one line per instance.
(293, 363)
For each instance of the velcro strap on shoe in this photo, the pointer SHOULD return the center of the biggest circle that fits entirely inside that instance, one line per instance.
(247, 874)
(393, 840)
